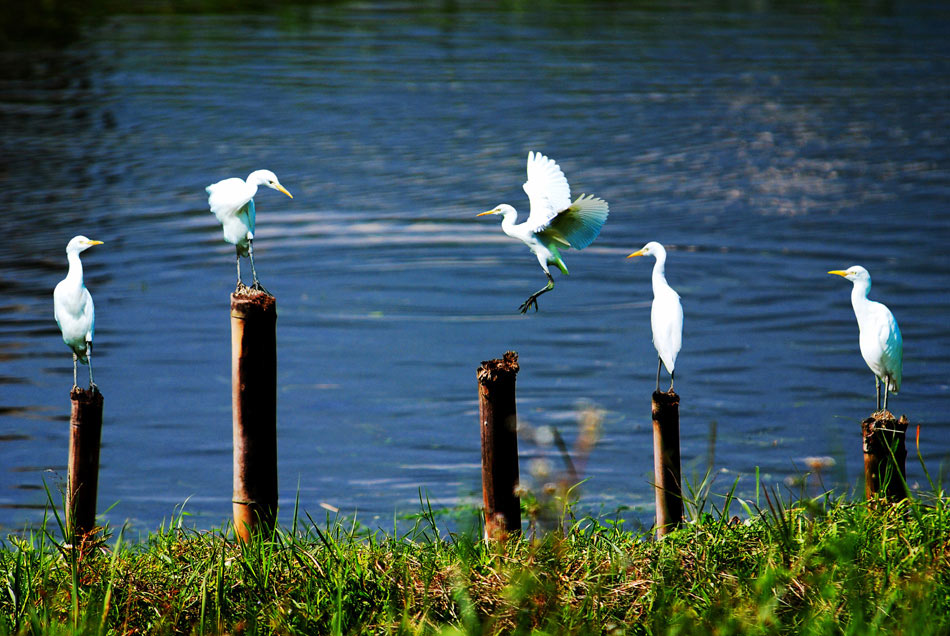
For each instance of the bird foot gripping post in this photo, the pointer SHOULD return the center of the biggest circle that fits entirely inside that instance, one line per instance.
(254, 412)
(885, 452)
(85, 433)
(666, 461)
(498, 421)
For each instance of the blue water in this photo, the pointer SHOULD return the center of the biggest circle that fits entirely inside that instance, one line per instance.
(764, 145)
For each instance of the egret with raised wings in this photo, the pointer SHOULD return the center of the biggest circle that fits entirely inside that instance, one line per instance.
(73, 308)
(232, 201)
(554, 221)
(882, 346)
(666, 314)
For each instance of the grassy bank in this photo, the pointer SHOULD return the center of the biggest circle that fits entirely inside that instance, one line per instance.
(817, 566)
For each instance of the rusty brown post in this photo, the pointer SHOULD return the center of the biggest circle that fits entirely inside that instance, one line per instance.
(85, 432)
(254, 412)
(666, 461)
(498, 420)
(885, 452)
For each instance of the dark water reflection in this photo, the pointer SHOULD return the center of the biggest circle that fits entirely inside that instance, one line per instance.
(764, 147)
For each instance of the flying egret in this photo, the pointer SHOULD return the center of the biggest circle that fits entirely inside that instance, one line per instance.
(666, 315)
(232, 201)
(553, 220)
(880, 338)
(73, 309)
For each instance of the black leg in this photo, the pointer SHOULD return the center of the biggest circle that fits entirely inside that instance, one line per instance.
(659, 364)
(257, 284)
(89, 360)
(238, 260)
(672, 373)
(533, 298)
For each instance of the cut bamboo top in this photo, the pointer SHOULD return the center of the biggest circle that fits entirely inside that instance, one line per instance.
(492, 371)
(251, 301)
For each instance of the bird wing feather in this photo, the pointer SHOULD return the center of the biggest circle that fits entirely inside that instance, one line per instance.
(89, 313)
(580, 223)
(892, 347)
(547, 190)
(227, 197)
(666, 319)
(250, 213)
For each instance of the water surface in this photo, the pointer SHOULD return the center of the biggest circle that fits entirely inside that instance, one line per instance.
(762, 146)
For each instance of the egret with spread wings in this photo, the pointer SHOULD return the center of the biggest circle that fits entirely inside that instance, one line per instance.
(554, 222)
(232, 201)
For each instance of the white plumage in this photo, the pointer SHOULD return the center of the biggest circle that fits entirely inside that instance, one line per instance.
(666, 314)
(73, 307)
(882, 346)
(554, 221)
(232, 202)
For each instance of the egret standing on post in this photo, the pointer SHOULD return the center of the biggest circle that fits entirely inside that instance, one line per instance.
(880, 338)
(553, 220)
(232, 201)
(666, 315)
(73, 309)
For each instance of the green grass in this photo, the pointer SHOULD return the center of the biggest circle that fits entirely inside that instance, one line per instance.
(808, 566)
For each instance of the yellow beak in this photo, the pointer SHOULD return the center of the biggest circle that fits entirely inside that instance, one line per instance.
(283, 189)
(637, 253)
(489, 212)
(95, 243)
(839, 272)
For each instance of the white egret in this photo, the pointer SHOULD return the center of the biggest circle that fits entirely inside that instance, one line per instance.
(232, 201)
(553, 220)
(666, 315)
(73, 309)
(880, 338)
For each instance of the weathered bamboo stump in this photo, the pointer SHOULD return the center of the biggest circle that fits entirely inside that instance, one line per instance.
(885, 453)
(666, 461)
(254, 412)
(498, 420)
(85, 434)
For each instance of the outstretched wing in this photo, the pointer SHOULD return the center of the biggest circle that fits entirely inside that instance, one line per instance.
(579, 224)
(547, 190)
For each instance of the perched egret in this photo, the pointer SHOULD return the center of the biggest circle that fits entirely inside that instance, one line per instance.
(666, 315)
(232, 201)
(553, 221)
(880, 338)
(73, 308)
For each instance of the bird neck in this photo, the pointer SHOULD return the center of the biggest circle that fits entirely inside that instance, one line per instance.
(859, 296)
(659, 272)
(253, 182)
(508, 219)
(75, 267)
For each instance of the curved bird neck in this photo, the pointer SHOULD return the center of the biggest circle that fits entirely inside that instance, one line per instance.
(659, 273)
(859, 297)
(252, 183)
(75, 268)
(508, 222)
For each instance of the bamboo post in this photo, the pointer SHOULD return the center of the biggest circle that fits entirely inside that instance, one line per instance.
(885, 452)
(85, 433)
(666, 461)
(254, 412)
(499, 435)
